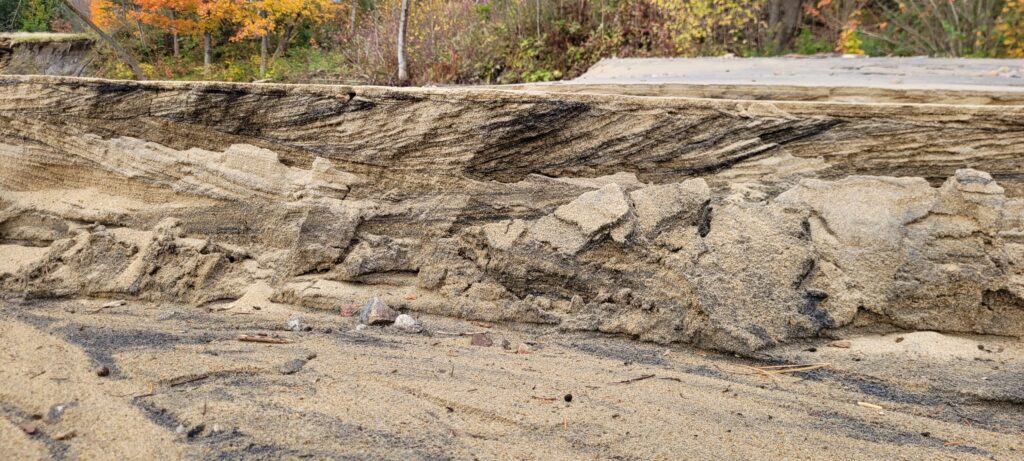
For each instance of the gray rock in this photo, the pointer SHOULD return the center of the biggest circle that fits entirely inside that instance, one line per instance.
(292, 366)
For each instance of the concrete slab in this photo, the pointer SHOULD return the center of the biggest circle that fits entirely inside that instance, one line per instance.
(913, 72)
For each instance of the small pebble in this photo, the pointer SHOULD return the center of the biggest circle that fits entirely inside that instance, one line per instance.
(377, 312)
(102, 371)
(296, 324)
(406, 323)
(349, 310)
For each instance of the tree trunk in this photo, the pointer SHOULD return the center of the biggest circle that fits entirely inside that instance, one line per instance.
(282, 43)
(784, 22)
(123, 15)
(264, 48)
(538, 20)
(352, 18)
(206, 53)
(127, 58)
(174, 39)
(264, 52)
(403, 22)
(142, 35)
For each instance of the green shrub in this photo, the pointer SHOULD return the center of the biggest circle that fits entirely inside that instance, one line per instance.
(36, 15)
(807, 43)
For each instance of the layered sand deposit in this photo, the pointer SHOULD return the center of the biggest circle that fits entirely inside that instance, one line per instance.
(732, 225)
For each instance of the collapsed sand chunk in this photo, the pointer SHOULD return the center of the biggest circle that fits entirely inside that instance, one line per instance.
(595, 211)
(323, 234)
(563, 236)
(502, 235)
(661, 205)
(160, 265)
(377, 254)
(574, 225)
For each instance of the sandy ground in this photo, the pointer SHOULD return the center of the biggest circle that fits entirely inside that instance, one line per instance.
(182, 386)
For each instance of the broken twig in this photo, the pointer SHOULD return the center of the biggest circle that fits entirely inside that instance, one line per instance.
(263, 339)
(633, 380)
(186, 379)
(455, 333)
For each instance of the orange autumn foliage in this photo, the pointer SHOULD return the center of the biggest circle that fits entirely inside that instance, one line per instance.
(179, 16)
(260, 17)
(253, 18)
(103, 13)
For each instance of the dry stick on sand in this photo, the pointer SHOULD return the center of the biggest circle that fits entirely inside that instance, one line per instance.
(263, 339)
(772, 371)
(633, 380)
(783, 369)
(455, 333)
(186, 379)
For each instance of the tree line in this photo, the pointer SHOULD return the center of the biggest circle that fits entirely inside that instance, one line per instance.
(499, 41)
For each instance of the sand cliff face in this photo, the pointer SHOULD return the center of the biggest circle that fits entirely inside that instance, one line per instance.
(727, 224)
(27, 53)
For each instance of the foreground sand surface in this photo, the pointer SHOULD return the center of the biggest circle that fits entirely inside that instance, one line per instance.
(182, 386)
